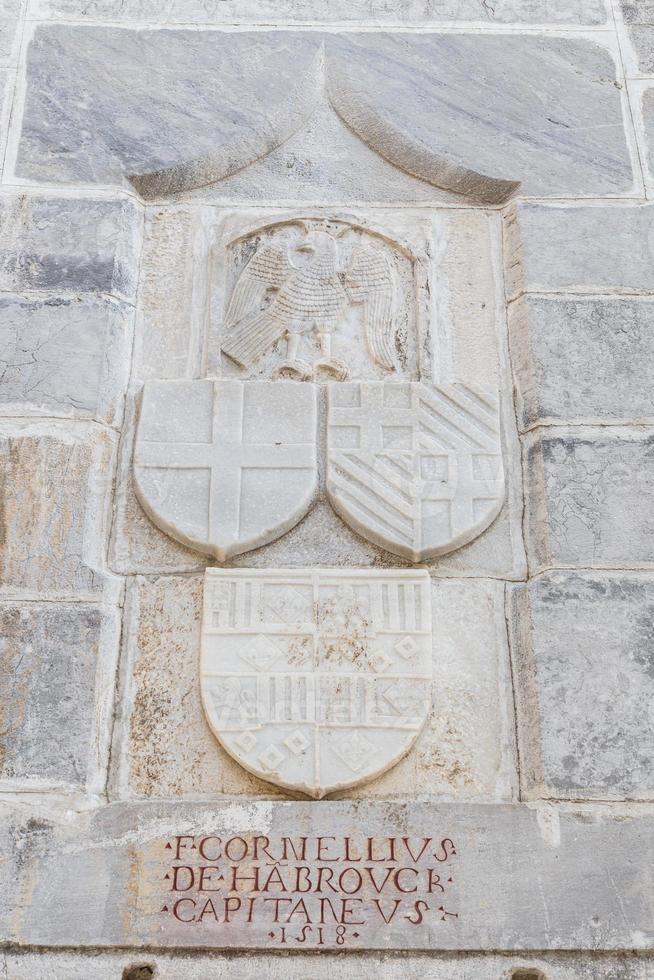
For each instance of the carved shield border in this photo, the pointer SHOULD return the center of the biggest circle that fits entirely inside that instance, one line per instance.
(414, 468)
(316, 680)
(226, 466)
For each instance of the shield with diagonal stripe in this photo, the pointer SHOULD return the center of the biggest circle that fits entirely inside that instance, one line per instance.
(226, 466)
(415, 468)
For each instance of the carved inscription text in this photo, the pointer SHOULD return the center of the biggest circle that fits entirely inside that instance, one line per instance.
(307, 890)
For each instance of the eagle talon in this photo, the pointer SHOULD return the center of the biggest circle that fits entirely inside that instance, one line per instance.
(331, 366)
(297, 369)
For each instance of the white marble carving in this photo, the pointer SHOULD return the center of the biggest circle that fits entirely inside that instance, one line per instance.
(316, 680)
(412, 467)
(298, 289)
(226, 466)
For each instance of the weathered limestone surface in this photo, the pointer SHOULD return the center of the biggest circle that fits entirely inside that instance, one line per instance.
(317, 682)
(584, 673)
(648, 119)
(64, 356)
(176, 244)
(359, 122)
(590, 497)
(167, 749)
(54, 731)
(323, 161)
(166, 746)
(250, 475)
(9, 16)
(414, 111)
(494, 855)
(582, 359)
(141, 121)
(322, 538)
(55, 508)
(642, 38)
(638, 11)
(414, 116)
(57, 243)
(576, 248)
(355, 436)
(53, 965)
(340, 11)
(467, 339)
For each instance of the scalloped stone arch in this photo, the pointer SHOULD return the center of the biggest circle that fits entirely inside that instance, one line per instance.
(184, 109)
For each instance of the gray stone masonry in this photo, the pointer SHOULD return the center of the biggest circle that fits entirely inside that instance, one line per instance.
(468, 147)
(62, 244)
(65, 357)
(500, 154)
(54, 732)
(584, 674)
(590, 497)
(492, 854)
(404, 12)
(581, 359)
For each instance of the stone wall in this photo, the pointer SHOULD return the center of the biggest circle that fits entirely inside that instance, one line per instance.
(510, 138)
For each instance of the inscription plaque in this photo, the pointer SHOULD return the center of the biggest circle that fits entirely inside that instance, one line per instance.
(302, 891)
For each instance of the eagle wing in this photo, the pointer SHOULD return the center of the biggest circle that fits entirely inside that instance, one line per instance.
(250, 327)
(369, 280)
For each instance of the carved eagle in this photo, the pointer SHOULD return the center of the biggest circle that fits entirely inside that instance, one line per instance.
(297, 289)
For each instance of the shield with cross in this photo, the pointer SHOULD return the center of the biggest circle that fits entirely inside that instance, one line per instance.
(412, 467)
(226, 466)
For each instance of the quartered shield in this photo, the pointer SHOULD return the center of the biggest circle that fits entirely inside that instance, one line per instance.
(226, 466)
(316, 679)
(412, 467)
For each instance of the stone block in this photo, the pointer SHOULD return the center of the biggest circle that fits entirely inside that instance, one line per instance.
(425, 118)
(579, 248)
(467, 750)
(422, 117)
(648, 121)
(175, 256)
(55, 496)
(590, 497)
(109, 965)
(62, 243)
(166, 745)
(642, 38)
(78, 871)
(167, 748)
(56, 668)
(64, 356)
(192, 255)
(584, 681)
(138, 125)
(9, 18)
(578, 359)
(638, 11)
(404, 12)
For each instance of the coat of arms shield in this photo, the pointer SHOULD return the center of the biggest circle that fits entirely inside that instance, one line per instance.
(413, 467)
(226, 466)
(316, 679)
